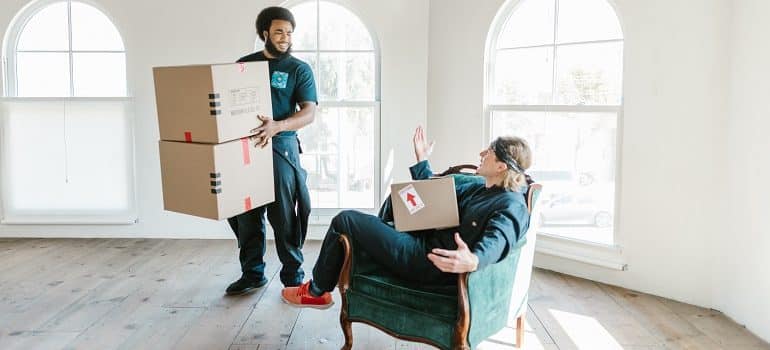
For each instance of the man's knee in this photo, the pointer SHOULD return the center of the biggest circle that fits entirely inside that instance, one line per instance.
(343, 221)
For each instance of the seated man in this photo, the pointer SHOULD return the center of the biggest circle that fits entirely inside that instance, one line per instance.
(493, 217)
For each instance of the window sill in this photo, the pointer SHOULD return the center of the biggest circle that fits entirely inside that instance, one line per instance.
(69, 220)
(608, 256)
(319, 223)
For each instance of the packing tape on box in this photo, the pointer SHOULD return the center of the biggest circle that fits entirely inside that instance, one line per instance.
(245, 148)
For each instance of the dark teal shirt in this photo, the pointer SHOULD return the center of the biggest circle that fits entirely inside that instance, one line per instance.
(291, 82)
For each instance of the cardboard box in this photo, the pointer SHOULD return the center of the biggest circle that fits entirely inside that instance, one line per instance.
(424, 204)
(216, 181)
(211, 103)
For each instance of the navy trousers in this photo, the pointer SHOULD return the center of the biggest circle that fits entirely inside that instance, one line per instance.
(402, 253)
(250, 227)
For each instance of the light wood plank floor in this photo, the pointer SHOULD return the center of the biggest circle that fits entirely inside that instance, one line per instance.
(168, 294)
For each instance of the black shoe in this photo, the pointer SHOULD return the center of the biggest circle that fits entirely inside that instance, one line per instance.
(245, 285)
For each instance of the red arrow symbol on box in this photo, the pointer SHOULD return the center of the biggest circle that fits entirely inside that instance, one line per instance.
(410, 199)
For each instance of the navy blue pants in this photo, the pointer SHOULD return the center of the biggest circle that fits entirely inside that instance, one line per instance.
(250, 227)
(401, 253)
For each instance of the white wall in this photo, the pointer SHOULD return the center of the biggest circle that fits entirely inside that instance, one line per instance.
(458, 32)
(686, 232)
(175, 32)
(672, 148)
(693, 201)
(743, 285)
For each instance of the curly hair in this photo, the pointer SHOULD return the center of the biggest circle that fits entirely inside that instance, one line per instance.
(267, 15)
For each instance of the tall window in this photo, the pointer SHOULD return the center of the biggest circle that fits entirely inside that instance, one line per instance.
(555, 78)
(341, 147)
(67, 147)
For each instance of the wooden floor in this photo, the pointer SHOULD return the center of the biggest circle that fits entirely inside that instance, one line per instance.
(168, 294)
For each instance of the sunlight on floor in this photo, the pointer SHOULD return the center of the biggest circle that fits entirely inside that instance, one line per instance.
(586, 332)
(505, 339)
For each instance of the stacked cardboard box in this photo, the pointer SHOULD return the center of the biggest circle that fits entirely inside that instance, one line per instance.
(205, 114)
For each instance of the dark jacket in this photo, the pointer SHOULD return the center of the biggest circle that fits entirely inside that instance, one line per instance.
(492, 220)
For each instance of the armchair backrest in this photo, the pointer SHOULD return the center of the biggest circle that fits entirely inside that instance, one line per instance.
(527, 256)
(523, 275)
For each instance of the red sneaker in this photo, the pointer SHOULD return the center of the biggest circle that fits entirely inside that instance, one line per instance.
(301, 297)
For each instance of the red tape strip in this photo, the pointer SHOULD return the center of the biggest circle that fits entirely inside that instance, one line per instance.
(245, 149)
(247, 203)
(187, 136)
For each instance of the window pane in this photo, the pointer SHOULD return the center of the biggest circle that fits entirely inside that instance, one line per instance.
(523, 76)
(339, 157)
(347, 76)
(575, 163)
(320, 146)
(357, 159)
(46, 30)
(587, 20)
(589, 74)
(43, 74)
(305, 36)
(531, 23)
(99, 74)
(98, 155)
(66, 158)
(35, 154)
(342, 30)
(92, 30)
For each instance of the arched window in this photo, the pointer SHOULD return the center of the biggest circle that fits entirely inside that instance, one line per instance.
(67, 146)
(66, 49)
(341, 148)
(554, 77)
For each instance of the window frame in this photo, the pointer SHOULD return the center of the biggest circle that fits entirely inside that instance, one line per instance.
(10, 94)
(323, 216)
(598, 254)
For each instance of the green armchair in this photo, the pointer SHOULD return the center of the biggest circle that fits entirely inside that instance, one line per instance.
(446, 316)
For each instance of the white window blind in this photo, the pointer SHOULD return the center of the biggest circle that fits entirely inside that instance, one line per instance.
(67, 161)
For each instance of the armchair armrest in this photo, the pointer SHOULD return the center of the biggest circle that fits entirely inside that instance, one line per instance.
(482, 293)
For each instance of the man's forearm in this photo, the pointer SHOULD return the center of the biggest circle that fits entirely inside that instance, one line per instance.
(298, 120)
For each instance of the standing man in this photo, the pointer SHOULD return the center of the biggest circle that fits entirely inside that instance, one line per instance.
(294, 102)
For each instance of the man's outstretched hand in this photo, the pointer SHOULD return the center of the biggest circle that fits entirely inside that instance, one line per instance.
(422, 149)
(455, 261)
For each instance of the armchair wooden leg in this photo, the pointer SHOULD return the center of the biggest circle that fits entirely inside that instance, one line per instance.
(343, 285)
(460, 337)
(348, 332)
(519, 330)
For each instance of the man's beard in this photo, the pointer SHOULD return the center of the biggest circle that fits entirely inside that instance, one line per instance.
(273, 51)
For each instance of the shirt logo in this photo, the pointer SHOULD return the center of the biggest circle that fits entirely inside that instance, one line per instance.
(279, 79)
